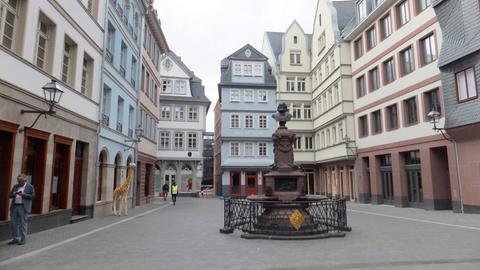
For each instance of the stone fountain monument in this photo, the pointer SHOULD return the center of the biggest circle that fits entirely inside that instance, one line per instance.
(284, 200)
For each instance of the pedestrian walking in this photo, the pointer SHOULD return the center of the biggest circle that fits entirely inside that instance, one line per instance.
(21, 196)
(174, 192)
(165, 189)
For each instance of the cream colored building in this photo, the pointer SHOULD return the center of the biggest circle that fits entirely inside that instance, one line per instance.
(401, 160)
(320, 98)
(333, 120)
(289, 55)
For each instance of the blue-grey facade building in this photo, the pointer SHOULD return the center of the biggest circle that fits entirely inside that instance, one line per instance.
(459, 64)
(119, 100)
(247, 99)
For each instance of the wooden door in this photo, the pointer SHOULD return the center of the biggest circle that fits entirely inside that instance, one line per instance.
(251, 184)
(35, 155)
(77, 178)
(6, 160)
(235, 184)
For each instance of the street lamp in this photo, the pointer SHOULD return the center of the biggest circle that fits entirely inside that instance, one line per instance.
(138, 135)
(434, 117)
(52, 95)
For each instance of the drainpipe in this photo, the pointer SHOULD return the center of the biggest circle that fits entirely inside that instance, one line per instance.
(100, 103)
(459, 179)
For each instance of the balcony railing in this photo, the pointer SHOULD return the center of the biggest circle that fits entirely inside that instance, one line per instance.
(105, 119)
(132, 82)
(108, 56)
(130, 133)
(122, 71)
(119, 127)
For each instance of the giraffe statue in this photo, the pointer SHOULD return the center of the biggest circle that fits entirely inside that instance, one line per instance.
(120, 194)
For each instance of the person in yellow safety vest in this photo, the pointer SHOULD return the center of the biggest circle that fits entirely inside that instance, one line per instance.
(174, 192)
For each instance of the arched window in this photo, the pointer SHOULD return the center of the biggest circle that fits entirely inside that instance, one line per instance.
(102, 160)
(117, 171)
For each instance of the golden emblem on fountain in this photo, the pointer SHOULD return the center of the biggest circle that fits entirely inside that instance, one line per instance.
(297, 219)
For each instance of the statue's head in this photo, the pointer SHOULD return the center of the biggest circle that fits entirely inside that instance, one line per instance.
(282, 107)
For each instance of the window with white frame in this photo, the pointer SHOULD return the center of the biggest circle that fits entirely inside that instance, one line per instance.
(68, 63)
(307, 111)
(86, 74)
(166, 86)
(262, 121)
(164, 140)
(308, 143)
(301, 84)
(362, 10)
(234, 95)
(297, 143)
(336, 90)
(386, 26)
(234, 149)
(110, 41)
(330, 98)
(340, 131)
(247, 70)
(248, 95)
(295, 58)
(334, 135)
(193, 113)
(332, 60)
(248, 121)
(178, 141)
(328, 137)
(180, 87)
(123, 58)
(322, 142)
(296, 111)
(466, 84)
(371, 38)
(262, 149)
(321, 42)
(403, 12)
(262, 96)
(258, 70)
(290, 83)
(429, 49)
(192, 141)
(237, 69)
(8, 22)
(234, 121)
(43, 41)
(165, 113)
(248, 149)
(179, 113)
(325, 102)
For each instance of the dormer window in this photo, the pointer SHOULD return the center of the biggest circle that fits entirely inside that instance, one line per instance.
(180, 87)
(166, 86)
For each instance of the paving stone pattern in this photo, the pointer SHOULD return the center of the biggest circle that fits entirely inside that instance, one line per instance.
(186, 236)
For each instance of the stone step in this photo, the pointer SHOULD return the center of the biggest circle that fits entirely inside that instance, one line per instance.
(78, 218)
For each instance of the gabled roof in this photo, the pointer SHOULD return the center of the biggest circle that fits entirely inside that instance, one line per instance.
(275, 41)
(345, 12)
(240, 54)
(226, 69)
(179, 62)
(196, 87)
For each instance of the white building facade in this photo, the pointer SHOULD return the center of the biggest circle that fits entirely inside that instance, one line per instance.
(43, 41)
(183, 111)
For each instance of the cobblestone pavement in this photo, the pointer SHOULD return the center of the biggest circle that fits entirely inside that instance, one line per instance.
(186, 236)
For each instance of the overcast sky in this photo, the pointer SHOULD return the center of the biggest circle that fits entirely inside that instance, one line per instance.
(203, 32)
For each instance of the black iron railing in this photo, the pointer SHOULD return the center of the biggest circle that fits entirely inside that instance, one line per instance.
(326, 216)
